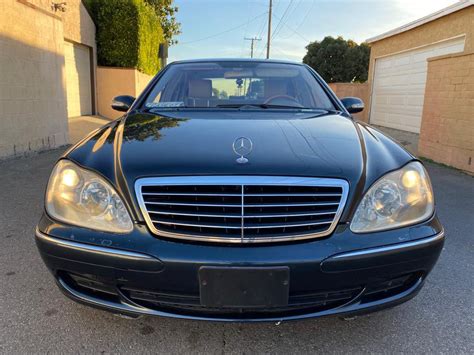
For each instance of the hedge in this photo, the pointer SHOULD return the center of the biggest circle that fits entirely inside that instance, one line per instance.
(128, 34)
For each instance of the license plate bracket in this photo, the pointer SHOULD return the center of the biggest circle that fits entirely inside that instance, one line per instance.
(244, 287)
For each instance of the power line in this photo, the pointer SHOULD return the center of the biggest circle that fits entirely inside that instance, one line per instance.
(277, 28)
(261, 31)
(263, 50)
(306, 16)
(280, 23)
(262, 28)
(292, 11)
(294, 31)
(291, 29)
(225, 31)
(308, 12)
(269, 29)
(253, 39)
(246, 27)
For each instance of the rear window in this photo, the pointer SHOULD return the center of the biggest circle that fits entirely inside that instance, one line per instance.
(229, 84)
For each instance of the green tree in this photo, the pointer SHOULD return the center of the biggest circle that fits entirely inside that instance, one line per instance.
(144, 127)
(338, 60)
(128, 34)
(223, 95)
(166, 11)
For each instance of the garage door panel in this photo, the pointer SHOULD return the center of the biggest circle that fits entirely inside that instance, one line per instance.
(399, 85)
(415, 100)
(396, 100)
(420, 58)
(417, 67)
(78, 79)
(383, 64)
(399, 121)
(418, 78)
(381, 100)
(401, 61)
(401, 90)
(411, 111)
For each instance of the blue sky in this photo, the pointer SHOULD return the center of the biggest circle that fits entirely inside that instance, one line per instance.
(216, 28)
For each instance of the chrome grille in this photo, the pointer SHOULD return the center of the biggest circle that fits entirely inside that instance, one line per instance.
(241, 209)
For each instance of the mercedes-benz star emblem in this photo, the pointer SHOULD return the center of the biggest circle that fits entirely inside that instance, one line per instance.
(242, 146)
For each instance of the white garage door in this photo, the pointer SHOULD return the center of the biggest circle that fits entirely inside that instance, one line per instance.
(399, 85)
(78, 79)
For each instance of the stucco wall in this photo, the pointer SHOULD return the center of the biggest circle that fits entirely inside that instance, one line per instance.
(33, 114)
(452, 25)
(78, 27)
(77, 24)
(32, 84)
(447, 128)
(141, 81)
(353, 89)
(112, 82)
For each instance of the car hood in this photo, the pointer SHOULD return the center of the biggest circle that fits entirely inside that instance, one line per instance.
(285, 144)
(320, 146)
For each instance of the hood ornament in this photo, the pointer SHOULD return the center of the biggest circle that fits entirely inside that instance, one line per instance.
(242, 146)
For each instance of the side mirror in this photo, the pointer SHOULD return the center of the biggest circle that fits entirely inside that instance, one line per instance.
(122, 102)
(353, 104)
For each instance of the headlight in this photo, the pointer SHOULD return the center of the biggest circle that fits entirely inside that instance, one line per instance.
(398, 199)
(83, 198)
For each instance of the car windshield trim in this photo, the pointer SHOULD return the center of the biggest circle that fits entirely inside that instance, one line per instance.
(243, 85)
(317, 111)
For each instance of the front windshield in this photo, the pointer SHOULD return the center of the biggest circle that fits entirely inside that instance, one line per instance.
(236, 85)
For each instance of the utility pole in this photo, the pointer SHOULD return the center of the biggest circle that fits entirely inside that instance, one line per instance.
(269, 28)
(253, 39)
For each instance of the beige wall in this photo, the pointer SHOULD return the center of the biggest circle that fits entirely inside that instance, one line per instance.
(142, 81)
(353, 89)
(112, 82)
(33, 112)
(32, 85)
(447, 125)
(77, 24)
(447, 128)
(452, 25)
(78, 27)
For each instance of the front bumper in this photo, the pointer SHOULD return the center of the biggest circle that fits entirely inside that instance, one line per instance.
(325, 278)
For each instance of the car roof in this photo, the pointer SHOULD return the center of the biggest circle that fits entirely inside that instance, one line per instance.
(245, 60)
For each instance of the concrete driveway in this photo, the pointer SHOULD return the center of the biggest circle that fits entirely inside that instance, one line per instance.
(80, 126)
(36, 318)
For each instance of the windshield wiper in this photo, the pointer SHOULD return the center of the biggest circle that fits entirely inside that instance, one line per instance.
(329, 111)
(260, 106)
(324, 111)
(300, 107)
(155, 109)
(238, 105)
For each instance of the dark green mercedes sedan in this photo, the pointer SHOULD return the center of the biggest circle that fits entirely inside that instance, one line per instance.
(239, 190)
